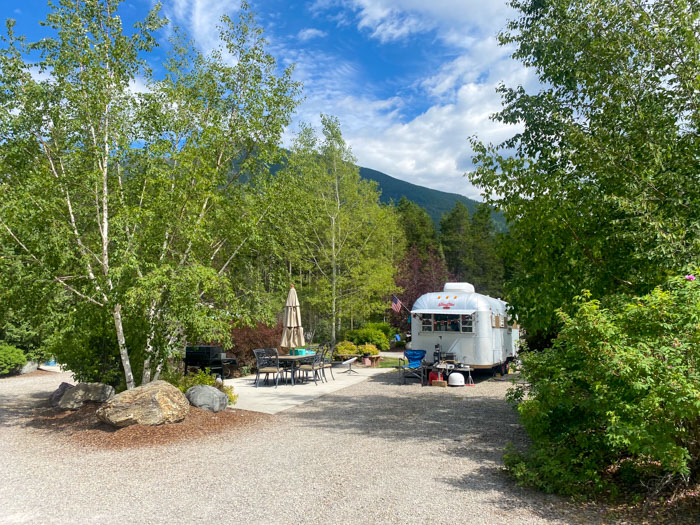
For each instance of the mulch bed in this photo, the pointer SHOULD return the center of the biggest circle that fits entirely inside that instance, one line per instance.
(82, 427)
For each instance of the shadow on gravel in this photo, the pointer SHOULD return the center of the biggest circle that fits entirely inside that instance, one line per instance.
(412, 412)
(16, 410)
(508, 497)
(460, 423)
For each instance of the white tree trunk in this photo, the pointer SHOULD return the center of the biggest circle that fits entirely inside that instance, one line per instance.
(334, 276)
(123, 352)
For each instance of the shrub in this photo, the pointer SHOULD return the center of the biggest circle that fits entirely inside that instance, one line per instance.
(246, 338)
(368, 349)
(616, 399)
(202, 377)
(11, 359)
(385, 328)
(369, 336)
(345, 348)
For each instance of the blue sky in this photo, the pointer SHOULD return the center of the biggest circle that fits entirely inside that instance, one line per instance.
(410, 80)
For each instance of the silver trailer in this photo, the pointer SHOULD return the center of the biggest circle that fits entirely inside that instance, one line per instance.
(473, 327)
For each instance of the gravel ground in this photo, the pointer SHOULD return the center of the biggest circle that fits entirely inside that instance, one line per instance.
(376, 452)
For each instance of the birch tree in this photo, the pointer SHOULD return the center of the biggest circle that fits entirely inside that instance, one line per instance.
(349, 240)
(127, 201)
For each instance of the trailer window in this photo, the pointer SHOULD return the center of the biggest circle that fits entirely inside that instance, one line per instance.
(427, 323)
(467, 324)
(446, 323)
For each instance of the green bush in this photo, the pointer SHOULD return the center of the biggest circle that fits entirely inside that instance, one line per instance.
(616, 401)
(371, 336)
(11, 359)
(201, 377)
(368, 349)
(345, 348)
(388, 330)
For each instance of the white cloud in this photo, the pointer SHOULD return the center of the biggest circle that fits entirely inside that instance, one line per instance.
(310, 33)
(456, 21)
(139, 85)
(432, 148)
(200, 18)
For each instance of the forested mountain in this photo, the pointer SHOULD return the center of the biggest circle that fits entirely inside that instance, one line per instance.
(435, 202)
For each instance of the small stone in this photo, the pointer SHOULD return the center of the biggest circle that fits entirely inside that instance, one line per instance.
(74, 397)
(207, 397)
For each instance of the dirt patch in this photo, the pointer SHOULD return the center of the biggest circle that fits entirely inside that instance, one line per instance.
(36, 373)
(83, 428)
(683, 508)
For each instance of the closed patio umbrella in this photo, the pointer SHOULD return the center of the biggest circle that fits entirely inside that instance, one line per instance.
(293, 333)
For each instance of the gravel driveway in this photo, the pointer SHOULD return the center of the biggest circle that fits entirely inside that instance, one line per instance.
(376, 452)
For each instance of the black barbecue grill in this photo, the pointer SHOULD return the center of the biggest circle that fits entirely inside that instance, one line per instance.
(211, 357)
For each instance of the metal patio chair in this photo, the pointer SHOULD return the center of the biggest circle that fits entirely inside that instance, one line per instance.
(315, 367)
(327, 360)
(414, 364)
(268, 363)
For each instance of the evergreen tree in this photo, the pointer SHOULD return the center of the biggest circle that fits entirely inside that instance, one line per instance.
(418, 227)
(457, 243)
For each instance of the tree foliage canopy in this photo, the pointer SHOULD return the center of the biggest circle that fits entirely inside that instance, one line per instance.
(601, 186)
(348, 241)
(601, 190)
(134, 203)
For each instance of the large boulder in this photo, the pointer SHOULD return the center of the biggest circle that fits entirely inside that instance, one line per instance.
(207, 397)
(57, 394)
(152, 404)
(74, 397)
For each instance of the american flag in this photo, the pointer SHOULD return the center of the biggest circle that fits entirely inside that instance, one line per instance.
(395, 304)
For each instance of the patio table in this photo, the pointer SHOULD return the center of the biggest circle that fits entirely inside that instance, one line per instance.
(294, 361)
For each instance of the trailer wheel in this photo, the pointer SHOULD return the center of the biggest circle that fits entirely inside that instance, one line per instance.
(500, 369)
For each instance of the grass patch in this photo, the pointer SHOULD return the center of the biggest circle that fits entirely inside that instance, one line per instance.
(388, 362)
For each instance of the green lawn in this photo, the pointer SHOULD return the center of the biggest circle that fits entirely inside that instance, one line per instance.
(388, 362)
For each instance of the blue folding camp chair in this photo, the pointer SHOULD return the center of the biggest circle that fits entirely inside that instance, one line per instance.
(414, 364)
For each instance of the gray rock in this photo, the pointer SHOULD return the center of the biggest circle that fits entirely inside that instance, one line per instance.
(30, 366)
(57, 394)
(207, 397)
(152, 404)
(74, 397)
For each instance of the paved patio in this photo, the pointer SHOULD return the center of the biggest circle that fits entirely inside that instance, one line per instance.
(271, 400)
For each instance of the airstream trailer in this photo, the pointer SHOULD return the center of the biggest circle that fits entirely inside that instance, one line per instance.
(472, 326)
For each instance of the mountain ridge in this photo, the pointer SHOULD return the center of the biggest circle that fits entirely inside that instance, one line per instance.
(435, 202)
